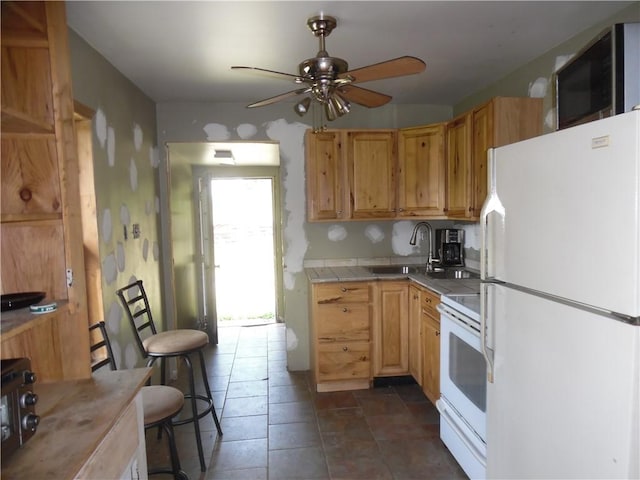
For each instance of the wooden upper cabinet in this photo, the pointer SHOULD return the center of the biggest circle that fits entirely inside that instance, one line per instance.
(371, 165)
(421, 171)
(326, 176)
(458, 167)
(500, 121)
(41, 229)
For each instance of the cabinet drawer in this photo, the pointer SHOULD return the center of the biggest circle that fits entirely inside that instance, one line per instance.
(338, 323)
(346, 292)
(429, 303)
(344, 361)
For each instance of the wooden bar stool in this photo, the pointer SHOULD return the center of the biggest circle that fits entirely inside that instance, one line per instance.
(180, 343)
(160, 403)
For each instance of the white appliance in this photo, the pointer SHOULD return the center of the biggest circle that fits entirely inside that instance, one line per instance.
(462, 402)
(560, 304)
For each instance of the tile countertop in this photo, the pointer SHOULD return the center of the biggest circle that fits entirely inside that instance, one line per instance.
(457, 286)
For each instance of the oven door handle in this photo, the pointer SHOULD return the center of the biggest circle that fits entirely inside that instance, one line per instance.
(487, 353)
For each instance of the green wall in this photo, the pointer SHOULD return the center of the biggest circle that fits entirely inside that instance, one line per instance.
(125, 160)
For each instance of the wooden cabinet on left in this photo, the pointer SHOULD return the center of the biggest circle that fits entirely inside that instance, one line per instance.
(340, 335)
(40, 217)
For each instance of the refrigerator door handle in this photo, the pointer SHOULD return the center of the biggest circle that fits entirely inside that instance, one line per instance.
(492, 205)
(487, 353)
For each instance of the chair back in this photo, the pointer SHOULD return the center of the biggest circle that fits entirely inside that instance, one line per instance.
(134, 301)
(100, 340)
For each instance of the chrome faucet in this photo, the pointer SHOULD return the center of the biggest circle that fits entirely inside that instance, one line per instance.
(414, 235)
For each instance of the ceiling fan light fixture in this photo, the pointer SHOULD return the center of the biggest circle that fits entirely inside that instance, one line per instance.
(331, 111)
(341, 105)
(302, 106)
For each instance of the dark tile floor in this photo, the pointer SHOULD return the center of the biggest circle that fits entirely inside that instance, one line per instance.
(276, 427)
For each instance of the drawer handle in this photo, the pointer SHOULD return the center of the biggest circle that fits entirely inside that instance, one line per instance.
(345, 309)
(344, 349)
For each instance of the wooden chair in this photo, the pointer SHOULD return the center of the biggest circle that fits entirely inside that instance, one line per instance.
(180, 343)
(160, 402)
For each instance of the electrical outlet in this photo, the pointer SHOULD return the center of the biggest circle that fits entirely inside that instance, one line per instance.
(135, 230)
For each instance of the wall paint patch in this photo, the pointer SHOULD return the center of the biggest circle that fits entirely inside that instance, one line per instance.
(292, 339)
(538, 88)
(125, 218)
(111, 146)
(137, 137)
(145, 249)
(374, 233)
(109, 269)
(246, 131)
(107, 226)
(156, 251)
(114, 317)
(101, 127)
(291, 138)
(337, 233)
(120, 256)
(400, 236)
(216, 132)
(133, 175)
(561, 60)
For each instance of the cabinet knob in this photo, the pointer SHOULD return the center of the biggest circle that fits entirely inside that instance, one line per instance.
(437, 333)
(343, 289)
(344, 349)
(345, 309)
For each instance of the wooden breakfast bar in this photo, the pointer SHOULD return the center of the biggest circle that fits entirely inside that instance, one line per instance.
(90, 429)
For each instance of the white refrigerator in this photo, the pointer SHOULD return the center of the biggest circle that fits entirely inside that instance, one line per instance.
(560, 304)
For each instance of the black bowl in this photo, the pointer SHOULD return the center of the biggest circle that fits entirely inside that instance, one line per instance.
(14, 301)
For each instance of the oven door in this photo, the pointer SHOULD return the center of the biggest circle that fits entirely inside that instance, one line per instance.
(463, 380)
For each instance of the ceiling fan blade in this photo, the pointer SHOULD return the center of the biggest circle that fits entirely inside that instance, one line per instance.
(277, 98)
(270, 73)
(362, 96)
(391, 68)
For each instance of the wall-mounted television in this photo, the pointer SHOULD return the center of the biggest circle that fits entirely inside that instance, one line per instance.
(602, 79)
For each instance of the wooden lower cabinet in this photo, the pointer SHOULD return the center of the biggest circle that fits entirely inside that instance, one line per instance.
(430, 322)
(415, 334)
(340, 335)
(391, 329)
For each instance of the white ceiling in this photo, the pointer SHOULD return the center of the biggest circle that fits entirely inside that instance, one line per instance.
(183, 51)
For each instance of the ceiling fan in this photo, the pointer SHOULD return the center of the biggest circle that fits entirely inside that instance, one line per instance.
(328, 80)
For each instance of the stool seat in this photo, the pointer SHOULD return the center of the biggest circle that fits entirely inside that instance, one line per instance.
(160, 402)
(174, 342)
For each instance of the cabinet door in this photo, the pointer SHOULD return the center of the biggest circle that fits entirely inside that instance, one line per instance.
(391, 329)
(431, 357)
(421, 171)
(415, 334)
(326, 179)
(371, 163)
(482, 140)
(458, 167)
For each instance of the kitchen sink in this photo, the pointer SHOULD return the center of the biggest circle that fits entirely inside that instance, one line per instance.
(397, 269)
(452, 274)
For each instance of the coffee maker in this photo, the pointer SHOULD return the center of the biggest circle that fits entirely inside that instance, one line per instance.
(450, 247)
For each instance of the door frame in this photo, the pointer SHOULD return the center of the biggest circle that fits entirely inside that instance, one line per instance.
(205, 264)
